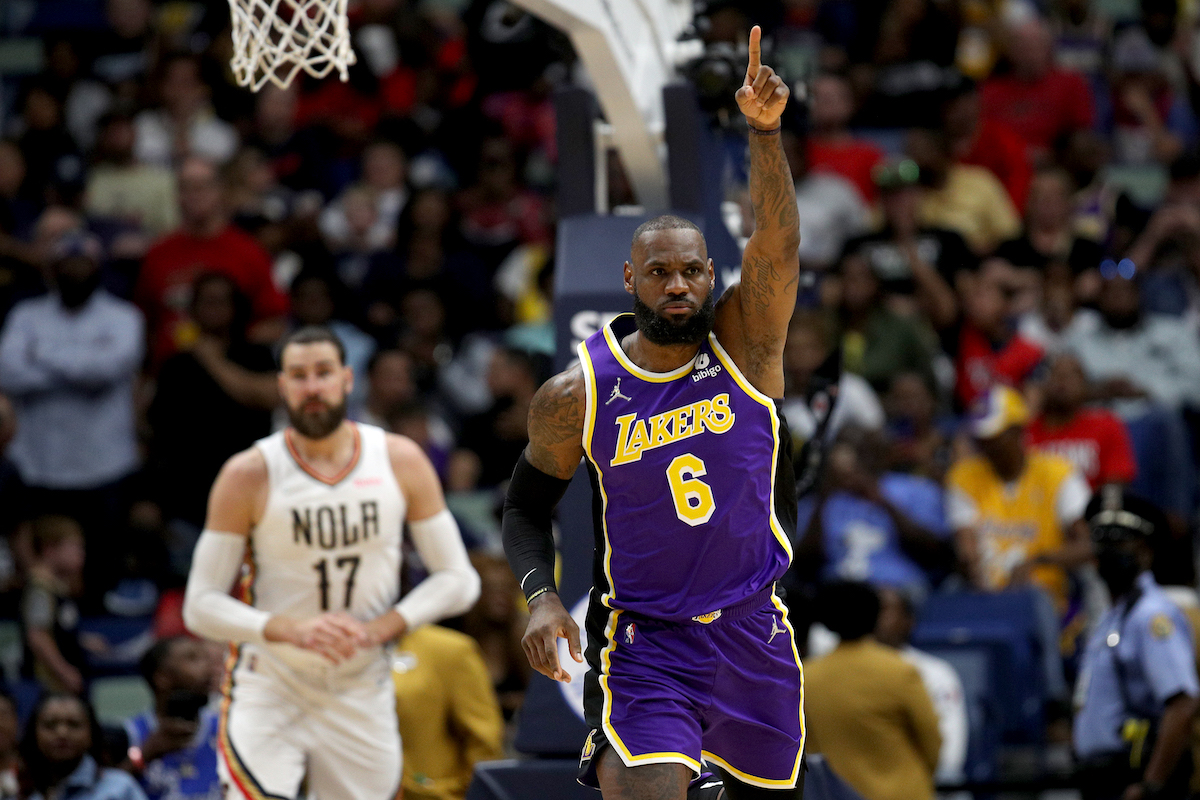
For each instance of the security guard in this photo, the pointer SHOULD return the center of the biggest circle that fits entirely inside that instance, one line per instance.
(1137, 690)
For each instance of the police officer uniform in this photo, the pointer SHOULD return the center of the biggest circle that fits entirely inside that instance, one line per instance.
(1138, 657)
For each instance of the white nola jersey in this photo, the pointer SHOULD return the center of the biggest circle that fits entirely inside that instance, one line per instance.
(327, 543)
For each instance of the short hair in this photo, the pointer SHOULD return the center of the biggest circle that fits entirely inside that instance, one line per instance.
(51, 530)
(156, 656)
(848, 608)
(382, 353)
(313, 334)
(664, 222)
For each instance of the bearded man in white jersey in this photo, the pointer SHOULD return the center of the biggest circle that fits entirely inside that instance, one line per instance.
(311, 520)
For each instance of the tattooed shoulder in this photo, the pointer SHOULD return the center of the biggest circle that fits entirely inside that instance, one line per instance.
(556, 424)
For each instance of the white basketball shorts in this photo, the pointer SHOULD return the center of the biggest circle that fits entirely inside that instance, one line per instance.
(276, 730)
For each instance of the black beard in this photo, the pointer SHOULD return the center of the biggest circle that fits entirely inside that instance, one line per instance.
(665, 331)
(317, 425)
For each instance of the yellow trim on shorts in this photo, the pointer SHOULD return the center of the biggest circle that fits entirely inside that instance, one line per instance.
(589, 424)
(628, 758)
(769, 404)
(767, 783)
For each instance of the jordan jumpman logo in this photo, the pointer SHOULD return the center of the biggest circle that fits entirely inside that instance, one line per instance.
(616, 392)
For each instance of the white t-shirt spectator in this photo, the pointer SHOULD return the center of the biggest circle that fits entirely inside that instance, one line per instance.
(946, 691)
(208, 136)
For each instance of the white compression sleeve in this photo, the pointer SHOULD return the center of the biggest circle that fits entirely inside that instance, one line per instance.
(453, 584)
(208, 610)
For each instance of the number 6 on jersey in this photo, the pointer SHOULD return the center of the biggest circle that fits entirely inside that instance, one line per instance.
(693, 497)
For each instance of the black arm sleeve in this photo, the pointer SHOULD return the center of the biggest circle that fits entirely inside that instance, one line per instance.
(528, 538)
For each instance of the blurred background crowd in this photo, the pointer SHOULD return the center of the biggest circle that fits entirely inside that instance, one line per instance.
(991, 193)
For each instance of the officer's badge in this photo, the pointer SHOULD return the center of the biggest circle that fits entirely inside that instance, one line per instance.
(1161, 626)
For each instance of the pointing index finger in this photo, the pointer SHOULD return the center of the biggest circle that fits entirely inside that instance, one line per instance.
(755, 51)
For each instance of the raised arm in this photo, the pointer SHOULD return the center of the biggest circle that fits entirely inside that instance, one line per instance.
(754, 316)
(538, 483)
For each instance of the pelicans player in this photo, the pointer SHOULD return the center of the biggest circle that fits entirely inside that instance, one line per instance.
(315, 513)
(675, 408)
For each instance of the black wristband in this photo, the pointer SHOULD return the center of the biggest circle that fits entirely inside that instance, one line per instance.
(764, 132)
(525, 530)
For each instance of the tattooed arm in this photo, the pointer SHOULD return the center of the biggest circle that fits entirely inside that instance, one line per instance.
(556, 424)
(753, 317)
(539, 481)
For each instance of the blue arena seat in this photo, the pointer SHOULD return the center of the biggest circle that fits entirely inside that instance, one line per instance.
(128, 639)
(1004, 625)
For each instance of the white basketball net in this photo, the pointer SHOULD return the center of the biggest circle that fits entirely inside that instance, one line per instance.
(274, 39)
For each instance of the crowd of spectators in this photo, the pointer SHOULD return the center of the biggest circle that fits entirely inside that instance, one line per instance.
(1000, 207)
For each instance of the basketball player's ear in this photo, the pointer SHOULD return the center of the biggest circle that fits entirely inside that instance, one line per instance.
(629, 287)
(712, 274)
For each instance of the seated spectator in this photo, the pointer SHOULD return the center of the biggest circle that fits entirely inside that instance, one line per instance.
(959, 197)
(315, 299)
(985, 142)
(173, 746)
(1102, 210)
(384, 175)
(877, 343)
(897, 619)
(865, 708)
(49, 607)
(809, 344)
(986, 350)
(183, 124)
(1135, 358)
(390, 384)
(831, 209)
(1167, 250)
(1093, 439)
(120, 188)
(53, 165)
(69, 361)
(1049, 248)
(1150, 123)
(922, 442)
(1039, 101)
(1017, 512)
(418, 422)
(20, 276)
(361, 239)
(867, 524)
(1046, 324)
(447, 709)
(211, 400)
(497, 623)
(1145, 368)
(498, 436)
(60, 748)
(205, 242)
(10, 759)
(913, 263)
(831, 146)
(497, 211)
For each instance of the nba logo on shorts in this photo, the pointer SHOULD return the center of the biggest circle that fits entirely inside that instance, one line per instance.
(630, 632)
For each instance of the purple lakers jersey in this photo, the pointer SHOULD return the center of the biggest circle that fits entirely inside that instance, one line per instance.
(692, 478)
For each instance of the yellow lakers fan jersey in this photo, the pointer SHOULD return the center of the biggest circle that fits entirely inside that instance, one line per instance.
(1017, 521)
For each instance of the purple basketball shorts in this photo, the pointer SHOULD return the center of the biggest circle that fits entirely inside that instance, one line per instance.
(728, 690)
